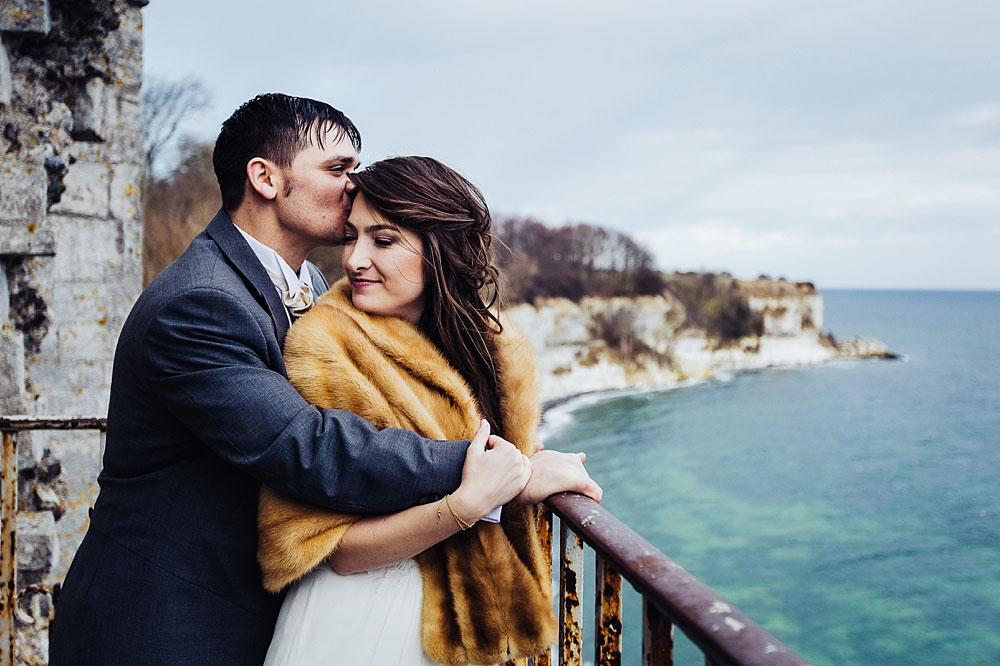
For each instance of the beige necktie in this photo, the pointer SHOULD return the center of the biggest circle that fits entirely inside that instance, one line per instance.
(298, 304)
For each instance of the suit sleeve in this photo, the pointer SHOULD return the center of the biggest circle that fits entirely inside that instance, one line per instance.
(205, 352)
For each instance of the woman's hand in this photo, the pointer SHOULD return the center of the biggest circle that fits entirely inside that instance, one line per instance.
(495, 472)
(555, 472)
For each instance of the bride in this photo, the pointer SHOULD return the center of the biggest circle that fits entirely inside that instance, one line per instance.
(407, 340)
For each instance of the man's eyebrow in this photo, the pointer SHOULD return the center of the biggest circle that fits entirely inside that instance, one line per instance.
(338, 160)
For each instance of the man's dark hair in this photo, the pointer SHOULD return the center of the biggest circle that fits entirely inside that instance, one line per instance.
(276, 127)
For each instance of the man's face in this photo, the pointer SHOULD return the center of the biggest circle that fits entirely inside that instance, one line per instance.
(315, 200)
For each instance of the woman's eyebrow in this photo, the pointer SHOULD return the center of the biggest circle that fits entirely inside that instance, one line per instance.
(380, 227)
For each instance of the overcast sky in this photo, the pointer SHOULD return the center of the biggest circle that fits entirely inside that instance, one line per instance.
(851, 143)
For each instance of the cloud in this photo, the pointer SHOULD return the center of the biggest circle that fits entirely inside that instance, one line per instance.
(779, 126)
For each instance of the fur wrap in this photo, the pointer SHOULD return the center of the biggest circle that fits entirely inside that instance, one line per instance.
(486, 591)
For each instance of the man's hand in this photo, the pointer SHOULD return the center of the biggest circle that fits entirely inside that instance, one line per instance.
(554, 472)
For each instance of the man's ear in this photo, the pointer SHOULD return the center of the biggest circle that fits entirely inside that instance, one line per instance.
(264, 177)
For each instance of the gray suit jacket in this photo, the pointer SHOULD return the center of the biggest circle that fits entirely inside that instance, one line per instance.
(200, 414)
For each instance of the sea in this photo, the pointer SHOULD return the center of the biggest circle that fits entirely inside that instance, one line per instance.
(852, 508)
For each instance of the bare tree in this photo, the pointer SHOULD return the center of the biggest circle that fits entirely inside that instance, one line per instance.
(165, 106)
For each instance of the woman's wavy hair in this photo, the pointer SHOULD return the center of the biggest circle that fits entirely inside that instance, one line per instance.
(461, 299)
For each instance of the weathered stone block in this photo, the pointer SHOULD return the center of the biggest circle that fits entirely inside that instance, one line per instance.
(59, 118)
(86, 190)
(87, 249)
(29, 16)
(90, 111)
(125, 50)
(37, 547)
(4, 291)
(23, 188)
(19, 238)
(82, 391)
(74, 303)
(127, 134)
(63, 401)
(11, 369)
(6, 85)
(88, 342)
(90, 151)
(125, 192)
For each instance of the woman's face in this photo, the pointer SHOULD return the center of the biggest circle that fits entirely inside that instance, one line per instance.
(384, 264)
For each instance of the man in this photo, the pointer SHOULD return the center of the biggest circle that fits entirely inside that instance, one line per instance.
(201, 413)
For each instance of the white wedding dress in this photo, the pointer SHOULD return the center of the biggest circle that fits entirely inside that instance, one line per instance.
(365, 619)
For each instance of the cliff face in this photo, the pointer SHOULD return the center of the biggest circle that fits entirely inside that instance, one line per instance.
(613, 343)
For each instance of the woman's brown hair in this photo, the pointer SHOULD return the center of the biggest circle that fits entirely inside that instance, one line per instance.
(462, 291)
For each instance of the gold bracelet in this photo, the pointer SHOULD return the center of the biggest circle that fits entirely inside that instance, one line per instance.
(458, 519)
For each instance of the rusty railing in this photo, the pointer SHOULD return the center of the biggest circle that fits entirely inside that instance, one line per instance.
(10, 426)
(670, 595)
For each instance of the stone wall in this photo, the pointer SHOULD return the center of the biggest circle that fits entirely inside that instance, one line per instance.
(70, 156)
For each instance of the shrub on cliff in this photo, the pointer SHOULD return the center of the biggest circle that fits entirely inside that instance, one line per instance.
(716, 304)
(618, 331)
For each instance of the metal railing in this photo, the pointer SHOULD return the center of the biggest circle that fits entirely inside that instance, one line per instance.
(670, 595)
(10, 426)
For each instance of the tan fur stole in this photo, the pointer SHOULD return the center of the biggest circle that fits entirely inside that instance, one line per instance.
(487, 591)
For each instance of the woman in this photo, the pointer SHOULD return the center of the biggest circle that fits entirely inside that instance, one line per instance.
(407, 341)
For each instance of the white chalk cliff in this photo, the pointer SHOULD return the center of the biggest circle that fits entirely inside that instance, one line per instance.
(602, 344)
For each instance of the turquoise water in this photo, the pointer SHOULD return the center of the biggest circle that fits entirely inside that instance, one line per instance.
(852, 509)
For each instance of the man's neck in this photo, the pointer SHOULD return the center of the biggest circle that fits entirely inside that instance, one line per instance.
(265, 229)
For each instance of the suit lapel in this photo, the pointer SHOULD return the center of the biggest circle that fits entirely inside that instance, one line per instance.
(231, 242)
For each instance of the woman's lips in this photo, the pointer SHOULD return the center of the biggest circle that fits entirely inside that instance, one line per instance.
(359, 283)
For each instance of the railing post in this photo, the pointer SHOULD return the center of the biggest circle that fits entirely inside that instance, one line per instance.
(607, 614)
(8, 548)
(545, 538)
(570, 597)
(657, 637)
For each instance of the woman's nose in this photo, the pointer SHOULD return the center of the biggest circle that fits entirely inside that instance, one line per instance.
(356, 256)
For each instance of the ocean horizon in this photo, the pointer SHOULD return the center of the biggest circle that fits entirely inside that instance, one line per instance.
(850, 508)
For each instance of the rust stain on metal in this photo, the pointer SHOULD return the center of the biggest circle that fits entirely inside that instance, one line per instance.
(545, 538)
(8, 554)
(657, 637)
(18, 423)
(608, 615)
(570, 597)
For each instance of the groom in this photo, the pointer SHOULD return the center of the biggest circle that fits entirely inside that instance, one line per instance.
(201, 413)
